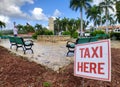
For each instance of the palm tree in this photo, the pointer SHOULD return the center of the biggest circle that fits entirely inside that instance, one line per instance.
(64, 23)
(2, 24)
(106, 5)
(118, 10)
(20, 27)
(80, 4)
(38, 27)
(57, 24)
(94, 14)
(72, 26)
(111, 19)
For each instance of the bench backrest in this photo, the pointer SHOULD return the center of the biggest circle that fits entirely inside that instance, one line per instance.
(19, 40)
(92, 39)
(12, 40)
(82, 40)
(86, 40)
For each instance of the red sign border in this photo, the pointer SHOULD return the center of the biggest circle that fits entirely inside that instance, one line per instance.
(109, 61)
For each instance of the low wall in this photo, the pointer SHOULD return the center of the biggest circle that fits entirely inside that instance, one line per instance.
(53, 38)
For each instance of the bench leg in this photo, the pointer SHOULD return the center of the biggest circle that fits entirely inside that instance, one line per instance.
(11, 47)
(32, 51)
(24, 51)
(67, 53)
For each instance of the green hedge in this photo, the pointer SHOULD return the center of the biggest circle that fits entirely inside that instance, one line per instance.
(97, 32)
(0, 33)
(115, 35)
(7, 32)
(73, 34)
(42, 32)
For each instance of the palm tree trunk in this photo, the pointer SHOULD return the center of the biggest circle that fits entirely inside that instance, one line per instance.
(106, 21)
(81, 26)
(101, 20)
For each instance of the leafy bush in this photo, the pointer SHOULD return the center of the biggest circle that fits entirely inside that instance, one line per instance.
(22, 32)
(115, 35)
(7, 32)
(97, 32)
(28, 29)
(75, 35)
(10, 32)
(34, 36)
(66, 33)
(42, 32)
(0, 33)
(48, 32)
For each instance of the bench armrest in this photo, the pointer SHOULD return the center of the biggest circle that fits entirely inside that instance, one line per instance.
(28, 42)
(70, 44)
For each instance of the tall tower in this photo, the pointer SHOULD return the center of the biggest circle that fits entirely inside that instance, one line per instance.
(51, 24)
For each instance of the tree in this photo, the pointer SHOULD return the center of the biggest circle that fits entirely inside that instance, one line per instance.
(94, 14)
(2, 24)
(80, 4)
(65, 22)
(57, 24)
(72, 26)
(28, 28)
(38, 27)
(20, 27)
(118, 10)
(111, 19)
(106, 5)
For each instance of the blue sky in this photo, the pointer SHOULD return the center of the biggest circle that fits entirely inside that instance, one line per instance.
(35, 11)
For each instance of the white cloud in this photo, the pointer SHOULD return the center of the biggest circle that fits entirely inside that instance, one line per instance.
(56, 13)
(9, 24)
(96, 2)
(11, 8)
(37, 14)
(4, 19)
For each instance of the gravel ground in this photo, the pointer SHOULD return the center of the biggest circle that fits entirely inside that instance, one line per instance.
(51, 55)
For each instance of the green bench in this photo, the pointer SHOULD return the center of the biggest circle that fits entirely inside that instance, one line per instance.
(20, 43)
(71, 45)
(12, 41)
(4, 37)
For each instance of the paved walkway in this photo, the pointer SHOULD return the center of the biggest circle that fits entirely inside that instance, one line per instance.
(51, 55)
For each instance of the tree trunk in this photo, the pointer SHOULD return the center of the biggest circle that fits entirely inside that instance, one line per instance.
(106, 13)
(81, 26)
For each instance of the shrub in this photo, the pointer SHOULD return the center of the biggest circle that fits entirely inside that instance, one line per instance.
(0, 33)
(75, 35)
(66, 33)
(28, 28)
(115, 35)
(48, 32)
(7, 32)
(22, 32)
(34, 36)
(97, 32)
(42, 32)
(72, 34)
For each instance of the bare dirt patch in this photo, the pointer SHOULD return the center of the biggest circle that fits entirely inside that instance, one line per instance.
(16, 71)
